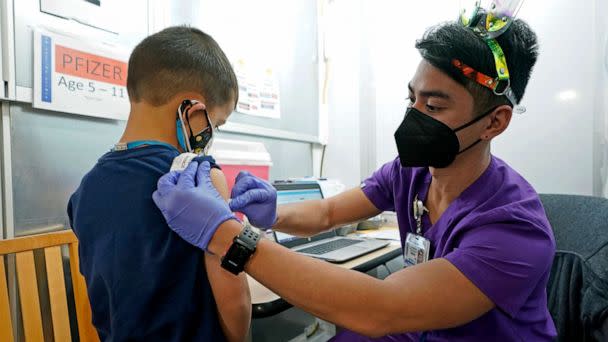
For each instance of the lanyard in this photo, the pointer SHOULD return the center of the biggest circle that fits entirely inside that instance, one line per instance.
(419, 210)
(138, 143)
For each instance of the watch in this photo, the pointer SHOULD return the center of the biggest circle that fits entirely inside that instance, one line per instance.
(243, 246)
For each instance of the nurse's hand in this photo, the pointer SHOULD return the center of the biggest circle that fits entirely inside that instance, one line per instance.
(255, 198)
(191, 205)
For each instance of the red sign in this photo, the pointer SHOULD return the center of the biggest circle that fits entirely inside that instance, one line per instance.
(94, 67)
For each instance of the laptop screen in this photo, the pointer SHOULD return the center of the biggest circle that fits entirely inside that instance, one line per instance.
(293, 193)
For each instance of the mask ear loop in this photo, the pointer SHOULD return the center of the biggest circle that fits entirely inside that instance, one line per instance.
(186, 111)
(180, 113)
(477, 119)
(212, 129)
(474, 121)
(209, 123)
(188, 120)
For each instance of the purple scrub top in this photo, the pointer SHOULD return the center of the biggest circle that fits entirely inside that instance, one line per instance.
(496, 233)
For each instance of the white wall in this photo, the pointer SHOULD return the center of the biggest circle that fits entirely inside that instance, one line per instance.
(343, 158)
(372, 56)
(601, 126)
(552, 144)
(556, 145)
(396, 27)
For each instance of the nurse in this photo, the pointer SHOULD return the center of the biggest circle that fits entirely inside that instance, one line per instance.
(484, 242)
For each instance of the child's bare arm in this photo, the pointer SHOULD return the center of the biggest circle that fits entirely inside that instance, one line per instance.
(231, 292)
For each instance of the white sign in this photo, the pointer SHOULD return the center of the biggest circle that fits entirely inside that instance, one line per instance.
(75, 76)
(258, 91)
(96, 13)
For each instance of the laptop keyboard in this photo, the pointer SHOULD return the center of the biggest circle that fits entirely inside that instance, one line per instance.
(329, 246)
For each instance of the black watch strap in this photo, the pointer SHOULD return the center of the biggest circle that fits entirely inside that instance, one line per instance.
(249, 237)
(243, 246)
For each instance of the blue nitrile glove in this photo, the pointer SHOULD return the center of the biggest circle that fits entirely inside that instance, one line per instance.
(193, 211)
(255, 198)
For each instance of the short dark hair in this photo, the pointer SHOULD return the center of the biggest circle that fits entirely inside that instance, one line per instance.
(179, 59)
(445, 42)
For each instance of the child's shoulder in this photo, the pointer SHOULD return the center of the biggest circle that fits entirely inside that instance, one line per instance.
(209, 159)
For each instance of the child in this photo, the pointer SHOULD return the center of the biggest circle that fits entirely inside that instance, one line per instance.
(144, 282)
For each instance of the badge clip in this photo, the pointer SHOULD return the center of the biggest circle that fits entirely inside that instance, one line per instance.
(419, 210)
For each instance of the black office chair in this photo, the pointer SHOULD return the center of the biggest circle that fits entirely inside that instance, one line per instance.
(578, 286)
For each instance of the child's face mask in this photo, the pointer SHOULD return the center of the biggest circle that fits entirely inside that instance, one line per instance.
(198, 143)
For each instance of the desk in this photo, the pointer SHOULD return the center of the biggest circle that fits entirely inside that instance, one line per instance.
(266, 303)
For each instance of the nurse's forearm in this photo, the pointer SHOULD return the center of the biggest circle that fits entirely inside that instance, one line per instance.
(348, 298)
(344, 297)
(303, 219)
(311, 217)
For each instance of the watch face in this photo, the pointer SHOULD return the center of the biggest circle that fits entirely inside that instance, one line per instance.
(242, 252)
(236, 257)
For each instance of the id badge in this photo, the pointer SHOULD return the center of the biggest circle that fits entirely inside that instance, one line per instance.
(417, 249)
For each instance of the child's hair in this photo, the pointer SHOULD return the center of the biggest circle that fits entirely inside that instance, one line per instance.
(180, 59)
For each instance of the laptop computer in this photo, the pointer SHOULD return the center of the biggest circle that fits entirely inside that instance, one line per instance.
(327, 246)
